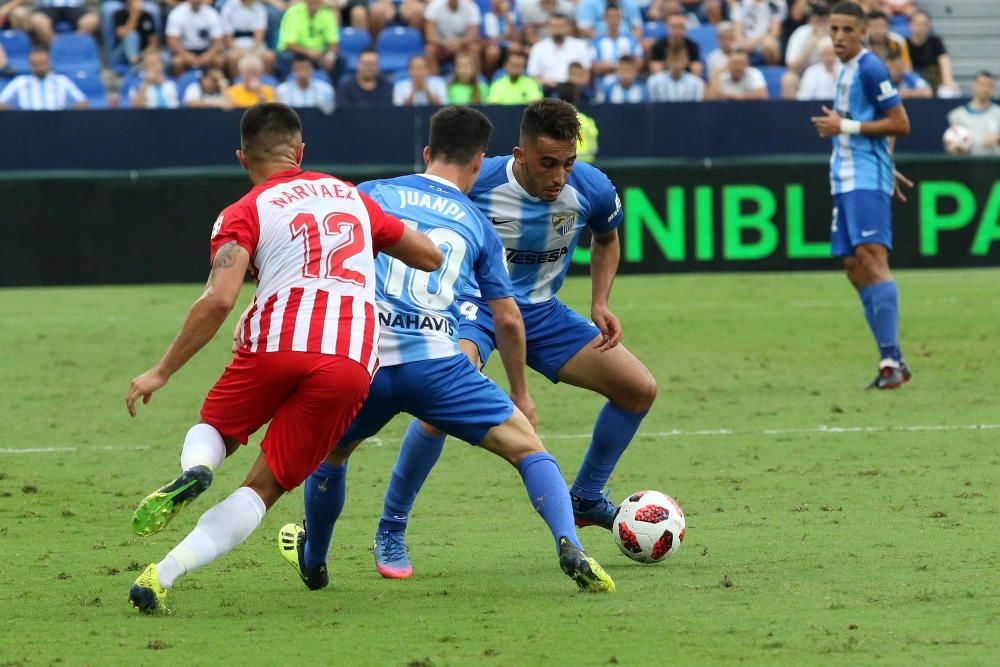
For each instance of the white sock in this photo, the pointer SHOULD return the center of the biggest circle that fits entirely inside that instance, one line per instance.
(219, 530)
(203, 446)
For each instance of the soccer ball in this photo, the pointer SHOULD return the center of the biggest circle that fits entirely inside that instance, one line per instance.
(957, 140)
(649, 526)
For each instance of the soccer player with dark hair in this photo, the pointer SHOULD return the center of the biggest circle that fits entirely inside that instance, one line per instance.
(539, 201)
(866, 117)
(424, 373)
(307, 349)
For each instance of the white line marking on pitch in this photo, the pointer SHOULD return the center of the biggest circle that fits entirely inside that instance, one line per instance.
(833, 430)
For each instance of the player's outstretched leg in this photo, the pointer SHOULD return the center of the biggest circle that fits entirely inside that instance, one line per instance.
(630, 390)
(204, 450)
(515, 441)
(418, 453)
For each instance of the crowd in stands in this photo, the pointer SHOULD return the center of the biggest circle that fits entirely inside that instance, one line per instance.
(57, 54)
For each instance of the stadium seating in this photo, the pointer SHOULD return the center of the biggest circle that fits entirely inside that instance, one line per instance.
(74, 53)
(108, 37)
(900, 25)
(91, 86)
(772, 75)
(654, 29)
(17, 45)
(186, 79)
(396, 45)
(352, 43)
(707, 39)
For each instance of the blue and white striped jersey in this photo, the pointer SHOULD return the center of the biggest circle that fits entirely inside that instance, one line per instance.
(613, 92)
(53, 92)
(417, 311)
(538, 236)
(318, 95)
(864, 93)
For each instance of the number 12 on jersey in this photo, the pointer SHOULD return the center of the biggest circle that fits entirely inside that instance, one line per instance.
(435, 290)
(336, 224)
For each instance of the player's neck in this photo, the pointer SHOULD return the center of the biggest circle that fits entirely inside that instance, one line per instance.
(460, 176)
(262, 172)
(851, 57)
(980, 105)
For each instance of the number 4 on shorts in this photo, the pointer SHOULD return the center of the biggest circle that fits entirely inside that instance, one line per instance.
(469, 311)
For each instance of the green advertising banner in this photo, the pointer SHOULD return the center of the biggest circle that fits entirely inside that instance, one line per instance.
(777, 216)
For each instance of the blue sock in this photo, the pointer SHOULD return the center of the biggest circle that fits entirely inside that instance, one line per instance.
(417, 455)
(547, 492)
(613, 431)
(324, 497)
(881, 302)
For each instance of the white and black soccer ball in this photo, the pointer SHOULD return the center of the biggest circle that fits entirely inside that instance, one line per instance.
(957, 140)
(649, 526)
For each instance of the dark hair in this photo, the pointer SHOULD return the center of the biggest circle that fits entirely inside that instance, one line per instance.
(40, 49)
(878, 14)
(676, 51)
(551, 118)
(368, 50)
(459, 135)
(267, 129)
(612, 5)
(983, 72)
(627, 59)
(299, 58)
(848, 8)
(893, 56)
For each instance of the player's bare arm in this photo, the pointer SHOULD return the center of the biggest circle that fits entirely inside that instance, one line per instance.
(895, 124)
(901, 180)
(509, 332)
(416, 250)
(604, 255)
(203, 321)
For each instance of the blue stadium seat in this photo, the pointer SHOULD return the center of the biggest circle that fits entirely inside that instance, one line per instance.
(352, 43)
(396, 45)
(131, 82)
(485, 6)
(186, 79)
(772, 74)
(91, 86)
(900, 25)
(707, 39)
(654, 29)
(74, 53)
(17, 45)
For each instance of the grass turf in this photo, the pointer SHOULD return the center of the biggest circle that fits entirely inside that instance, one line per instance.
(826, 525)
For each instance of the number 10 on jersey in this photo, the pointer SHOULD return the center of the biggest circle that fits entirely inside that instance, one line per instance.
(429, 290)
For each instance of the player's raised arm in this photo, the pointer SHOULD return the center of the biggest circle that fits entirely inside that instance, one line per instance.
(895, 124)
(203, 321)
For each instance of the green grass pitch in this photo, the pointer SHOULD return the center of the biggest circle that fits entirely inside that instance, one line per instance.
(826, 525)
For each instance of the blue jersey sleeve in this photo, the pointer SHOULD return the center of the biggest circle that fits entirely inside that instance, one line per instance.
(878, 86)
(605, 204)
(368, 187)
(492, 174)
(490, 269)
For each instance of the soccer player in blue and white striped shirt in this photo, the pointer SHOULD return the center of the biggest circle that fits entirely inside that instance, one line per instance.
(43, 89)
(866, 117)
(301, 90)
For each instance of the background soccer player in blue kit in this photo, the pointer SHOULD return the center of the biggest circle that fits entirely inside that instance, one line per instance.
(539, 200)
(422, 371)
(867, 115)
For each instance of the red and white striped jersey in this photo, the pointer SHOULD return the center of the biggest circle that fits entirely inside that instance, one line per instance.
(312, 240)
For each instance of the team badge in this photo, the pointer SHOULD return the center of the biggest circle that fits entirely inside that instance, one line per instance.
(217, 226)
(564, 222)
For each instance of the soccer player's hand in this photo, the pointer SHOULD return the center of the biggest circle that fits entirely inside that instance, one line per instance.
(827, 125)
(526, 405)
(144, 386)
(611, 328)
(900, 182)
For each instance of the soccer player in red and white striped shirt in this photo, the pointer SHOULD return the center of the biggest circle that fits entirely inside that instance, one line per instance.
(308, 348)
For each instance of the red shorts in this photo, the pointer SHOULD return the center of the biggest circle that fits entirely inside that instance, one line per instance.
(309, 398)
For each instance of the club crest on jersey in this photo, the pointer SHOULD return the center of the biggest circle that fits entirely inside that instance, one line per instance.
(564, 222)
(217, 226)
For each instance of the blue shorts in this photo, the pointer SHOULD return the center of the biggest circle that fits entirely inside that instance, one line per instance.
(449, 394)
(860, 217)
(554, 333)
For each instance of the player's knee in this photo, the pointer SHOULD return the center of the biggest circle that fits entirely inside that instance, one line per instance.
(530, 445)
(640, 395)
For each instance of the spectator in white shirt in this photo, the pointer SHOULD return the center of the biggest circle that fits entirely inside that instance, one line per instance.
(676, 84)
(804, 44)
(301, 90)
(819, 81)
(451, 26)
(549, 59)
(245, 24)
(981, 117)
(43, 89)
(156, 91)
(758, 27)
(610, 47)
(738, 81)
(626, 87)
(194, 35)
(719, 58)
(210, 92)
(420, 89)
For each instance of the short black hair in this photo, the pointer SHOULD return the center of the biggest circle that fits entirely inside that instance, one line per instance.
(459, 135)
(551, 118)
(983, 72)
(627, 59)
(38, 48)
(268, 129)
(878, 14)
(848, 8)
(299, 58)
